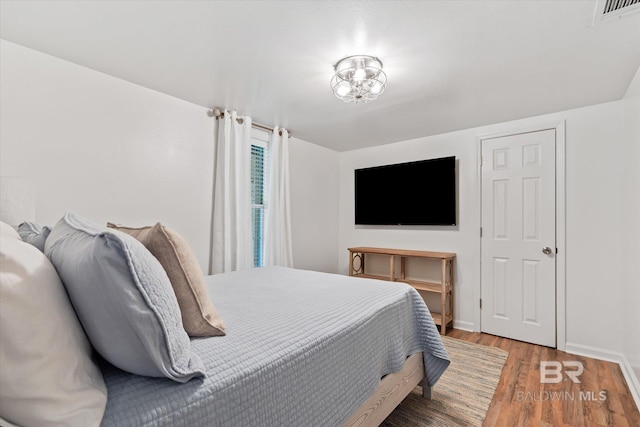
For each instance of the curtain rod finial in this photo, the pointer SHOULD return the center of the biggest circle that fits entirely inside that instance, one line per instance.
(214, 113)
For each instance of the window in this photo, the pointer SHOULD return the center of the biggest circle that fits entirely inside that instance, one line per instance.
(259, 170)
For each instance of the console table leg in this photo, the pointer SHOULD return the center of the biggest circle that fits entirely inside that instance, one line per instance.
(443, 299)
(392, 268)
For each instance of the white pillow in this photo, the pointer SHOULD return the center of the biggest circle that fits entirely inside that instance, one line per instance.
(47, 376)
(5, 423)
(7, 231)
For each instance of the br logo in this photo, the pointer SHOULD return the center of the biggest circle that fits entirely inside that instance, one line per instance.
(551, 372)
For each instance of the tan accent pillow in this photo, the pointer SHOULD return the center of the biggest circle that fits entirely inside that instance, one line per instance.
(199, 317)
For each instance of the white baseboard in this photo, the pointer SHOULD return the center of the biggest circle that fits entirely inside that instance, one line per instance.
(610, 356)
(593, 352)
(632, 379)
(465, 326)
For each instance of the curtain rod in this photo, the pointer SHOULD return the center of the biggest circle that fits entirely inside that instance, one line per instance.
(217, 113)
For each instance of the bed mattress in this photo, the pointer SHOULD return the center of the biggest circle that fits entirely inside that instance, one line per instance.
(302, 348)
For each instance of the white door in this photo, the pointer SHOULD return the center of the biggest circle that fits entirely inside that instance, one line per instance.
(518, 288)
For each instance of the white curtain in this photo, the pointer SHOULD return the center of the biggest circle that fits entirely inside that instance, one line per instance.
(278, 247)
(231, 239)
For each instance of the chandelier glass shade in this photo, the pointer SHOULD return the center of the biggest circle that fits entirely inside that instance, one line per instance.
(358, 78)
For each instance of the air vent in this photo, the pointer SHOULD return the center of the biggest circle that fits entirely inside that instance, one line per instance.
(616, 5)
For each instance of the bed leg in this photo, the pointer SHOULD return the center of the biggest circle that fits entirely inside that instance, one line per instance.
(426, 390)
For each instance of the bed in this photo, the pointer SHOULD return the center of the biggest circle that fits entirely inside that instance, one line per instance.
(301, 347)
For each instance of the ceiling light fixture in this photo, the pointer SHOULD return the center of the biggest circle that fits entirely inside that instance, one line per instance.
(358, 78)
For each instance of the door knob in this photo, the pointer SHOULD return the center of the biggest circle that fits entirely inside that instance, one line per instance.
(546, 250)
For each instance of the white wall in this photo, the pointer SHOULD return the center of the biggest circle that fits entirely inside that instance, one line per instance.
(631, 282)
(314, 177)
(114, 151)
(597, 231)
(104, 148)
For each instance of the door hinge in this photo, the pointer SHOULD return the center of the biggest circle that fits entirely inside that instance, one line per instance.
(480, 302)
(481, 160)
(480, 231)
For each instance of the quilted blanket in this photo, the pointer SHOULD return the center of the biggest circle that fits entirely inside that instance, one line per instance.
(302, 349)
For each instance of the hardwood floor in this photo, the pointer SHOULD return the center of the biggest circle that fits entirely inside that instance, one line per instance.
(602, 398)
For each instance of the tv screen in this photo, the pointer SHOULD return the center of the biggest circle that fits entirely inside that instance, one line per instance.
(414, 193)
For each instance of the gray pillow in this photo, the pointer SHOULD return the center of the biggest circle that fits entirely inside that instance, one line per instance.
(123, 299)
(34, 234)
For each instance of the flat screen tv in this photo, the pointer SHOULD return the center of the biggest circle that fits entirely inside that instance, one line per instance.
(414, 193)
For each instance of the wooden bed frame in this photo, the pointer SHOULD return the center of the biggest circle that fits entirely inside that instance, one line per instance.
(391, 391)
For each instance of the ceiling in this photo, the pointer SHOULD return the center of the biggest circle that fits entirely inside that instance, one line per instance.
(451, 65)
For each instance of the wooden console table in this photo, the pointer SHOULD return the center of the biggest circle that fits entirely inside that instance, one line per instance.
(444, 288)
